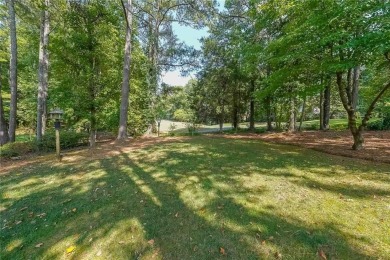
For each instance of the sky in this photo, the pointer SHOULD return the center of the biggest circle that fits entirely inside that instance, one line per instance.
(191, 37)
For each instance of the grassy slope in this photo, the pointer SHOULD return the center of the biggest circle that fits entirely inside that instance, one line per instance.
(186, 200)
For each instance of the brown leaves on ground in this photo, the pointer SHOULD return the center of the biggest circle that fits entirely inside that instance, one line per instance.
(222, 251)
(376, 146)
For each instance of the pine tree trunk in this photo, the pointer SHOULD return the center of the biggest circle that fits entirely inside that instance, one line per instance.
(43, 72)
(124, 107)
(252, 108)
(13, 71)
(268, 102)
(4, 138)
(326, 105)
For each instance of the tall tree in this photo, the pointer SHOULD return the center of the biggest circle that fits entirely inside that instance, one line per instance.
(13, 70)
(124, 106)
(43, 70)
(4, 138)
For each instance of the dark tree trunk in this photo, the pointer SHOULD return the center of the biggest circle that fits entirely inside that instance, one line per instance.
(4, 138)
(13, 71)
(268, 102)
(43, 72)
(124, 107)
(326, 105)
(252, 108)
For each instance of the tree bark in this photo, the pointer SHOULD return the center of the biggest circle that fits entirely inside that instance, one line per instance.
(302, 114)
(321, 110)
(326, 105)
(124, 107)
(291, 121)
(43, 71)
(268, 102)
(347, 103)
(4, 138)
(252, 108)
(355, 88)
(13, 71)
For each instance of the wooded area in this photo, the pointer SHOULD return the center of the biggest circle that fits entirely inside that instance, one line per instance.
(276, 61)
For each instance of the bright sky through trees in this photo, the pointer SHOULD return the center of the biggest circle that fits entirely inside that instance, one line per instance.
(191, 37)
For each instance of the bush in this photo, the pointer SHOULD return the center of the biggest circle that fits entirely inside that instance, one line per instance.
(379, 124)
(17, 149)
(68, 139)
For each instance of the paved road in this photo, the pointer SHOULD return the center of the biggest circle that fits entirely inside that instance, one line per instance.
(165, 126)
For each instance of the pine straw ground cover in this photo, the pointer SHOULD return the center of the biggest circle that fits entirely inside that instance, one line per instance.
(195, 198)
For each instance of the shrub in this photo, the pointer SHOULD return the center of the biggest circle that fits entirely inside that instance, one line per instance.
(379, 124)
(68, 139)
(17, 149)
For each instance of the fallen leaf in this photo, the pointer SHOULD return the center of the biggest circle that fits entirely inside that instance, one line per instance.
(74, 209)
(41, 215)
(151, 242)
(271, 238)
(39, 245)
(99, 253)
(263, 242)
(70, 249)
(278, 255)
(22, 209)
(177, 214)
(322, 254)
(18, 222)
(121, 242)
(222, 251)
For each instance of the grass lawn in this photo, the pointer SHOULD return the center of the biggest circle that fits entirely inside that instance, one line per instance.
(197, 198)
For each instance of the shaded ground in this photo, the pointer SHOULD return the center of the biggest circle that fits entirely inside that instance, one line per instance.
(195, 198)
(377, 143)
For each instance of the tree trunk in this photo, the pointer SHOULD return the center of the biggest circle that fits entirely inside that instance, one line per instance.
(326, 105)
(347, 103)
(43, 71)
(222, 117)
(291, 121)
(321, 109)
(355, 88)
(302, 114)
(4, 138)
(268, 102)
(124, 107)
(252, 107)
(13, 71)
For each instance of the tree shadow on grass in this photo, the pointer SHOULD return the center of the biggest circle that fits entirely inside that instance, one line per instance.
(123, 208)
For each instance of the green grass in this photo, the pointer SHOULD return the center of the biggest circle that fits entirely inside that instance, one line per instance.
(189, 198)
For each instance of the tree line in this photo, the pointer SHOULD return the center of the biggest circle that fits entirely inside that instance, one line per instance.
(275, 61)
(69, 54)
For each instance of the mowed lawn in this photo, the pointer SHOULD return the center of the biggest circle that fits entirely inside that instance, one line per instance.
(197, 198)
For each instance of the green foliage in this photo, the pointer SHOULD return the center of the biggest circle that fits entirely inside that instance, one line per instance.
(17, 149)
(379, 123)
(68, 139)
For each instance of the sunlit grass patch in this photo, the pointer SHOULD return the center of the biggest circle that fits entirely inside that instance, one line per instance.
(198, 198)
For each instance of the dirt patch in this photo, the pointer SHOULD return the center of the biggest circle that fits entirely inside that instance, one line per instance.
(376, 147)
(102, 150)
